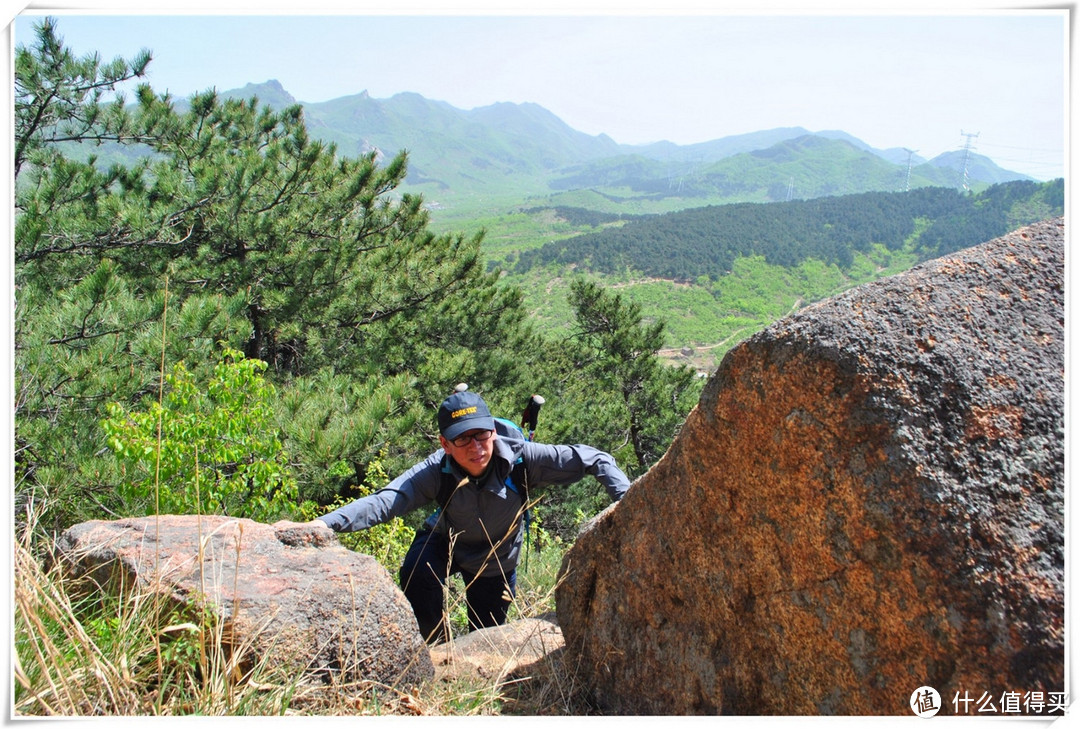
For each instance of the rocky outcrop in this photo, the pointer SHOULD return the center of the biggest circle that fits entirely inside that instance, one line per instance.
(867, 499)
(500, 653)
(290, 596)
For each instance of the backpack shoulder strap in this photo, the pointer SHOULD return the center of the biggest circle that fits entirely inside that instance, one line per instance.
(509, 429)
(446, 483)
(518, 481)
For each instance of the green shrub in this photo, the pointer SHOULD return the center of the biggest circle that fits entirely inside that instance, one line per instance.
(207, 448)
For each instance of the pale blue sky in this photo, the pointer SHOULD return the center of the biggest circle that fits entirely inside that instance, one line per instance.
(891, 80)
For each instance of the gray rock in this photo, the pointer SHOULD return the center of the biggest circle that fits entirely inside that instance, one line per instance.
(499, 653)
(292, 596)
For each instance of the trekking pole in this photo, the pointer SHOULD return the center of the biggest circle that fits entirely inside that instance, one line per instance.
(528, 424)
(530, 414)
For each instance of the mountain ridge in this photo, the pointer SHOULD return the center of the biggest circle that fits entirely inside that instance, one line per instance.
(509, 150)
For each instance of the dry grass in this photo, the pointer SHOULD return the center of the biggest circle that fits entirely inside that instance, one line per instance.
(80, 651)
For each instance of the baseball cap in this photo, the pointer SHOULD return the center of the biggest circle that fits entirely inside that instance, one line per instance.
(462, 412)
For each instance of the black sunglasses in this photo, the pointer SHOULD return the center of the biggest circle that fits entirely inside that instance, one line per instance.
(481, 436)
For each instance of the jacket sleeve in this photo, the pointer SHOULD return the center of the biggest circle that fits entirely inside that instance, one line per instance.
(411, 490)
(565, 464)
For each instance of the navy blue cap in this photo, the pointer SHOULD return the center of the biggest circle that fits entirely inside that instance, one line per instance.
(462, 412)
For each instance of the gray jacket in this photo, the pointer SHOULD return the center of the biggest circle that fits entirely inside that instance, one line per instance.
(484, 516)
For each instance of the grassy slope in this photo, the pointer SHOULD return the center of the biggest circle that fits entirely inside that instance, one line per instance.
(704, 320)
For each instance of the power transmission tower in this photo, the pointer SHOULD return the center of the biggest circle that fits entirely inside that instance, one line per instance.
(790, 189)
(967, 156)
(907, 181)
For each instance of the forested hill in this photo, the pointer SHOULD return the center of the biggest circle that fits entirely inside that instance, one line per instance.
(689, 244)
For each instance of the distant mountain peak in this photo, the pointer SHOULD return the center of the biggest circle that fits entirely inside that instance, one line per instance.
(271, 93)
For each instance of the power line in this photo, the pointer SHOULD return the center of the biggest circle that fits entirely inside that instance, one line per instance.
(1029, 162)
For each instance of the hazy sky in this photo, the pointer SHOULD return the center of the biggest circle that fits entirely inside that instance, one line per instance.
(685, 73)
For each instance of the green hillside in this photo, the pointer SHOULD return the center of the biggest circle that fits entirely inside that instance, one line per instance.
(704, 242)
(474, 163)
(503, 150)
(805, 167)
(533, 186)
(717, 274)
(703, 322)
(555, 204)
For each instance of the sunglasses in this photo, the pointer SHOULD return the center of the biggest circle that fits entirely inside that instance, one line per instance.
(481, 437)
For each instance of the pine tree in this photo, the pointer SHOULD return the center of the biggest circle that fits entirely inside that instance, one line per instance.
(617, 354)
(228, 227)
(58, 97)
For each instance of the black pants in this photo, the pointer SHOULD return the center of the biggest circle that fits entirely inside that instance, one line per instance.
(423, 578)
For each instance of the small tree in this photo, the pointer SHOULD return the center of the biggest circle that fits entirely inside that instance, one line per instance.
(205, 449)
(643, 401)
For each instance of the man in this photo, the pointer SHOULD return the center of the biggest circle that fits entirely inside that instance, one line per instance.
(478, 531)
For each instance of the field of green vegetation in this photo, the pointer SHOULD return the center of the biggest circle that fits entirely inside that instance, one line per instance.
(704, 320)
(705, 314)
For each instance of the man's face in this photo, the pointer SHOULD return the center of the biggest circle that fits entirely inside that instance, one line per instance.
(471, 450)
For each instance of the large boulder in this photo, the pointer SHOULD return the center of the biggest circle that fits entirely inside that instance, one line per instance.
(868, 499)
(288, 596)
